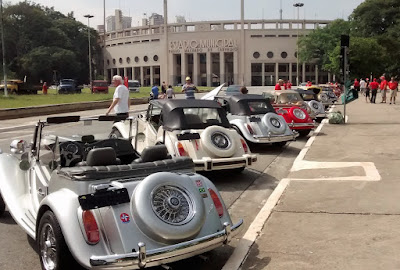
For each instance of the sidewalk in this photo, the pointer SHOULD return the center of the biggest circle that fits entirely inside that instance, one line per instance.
(350, 217)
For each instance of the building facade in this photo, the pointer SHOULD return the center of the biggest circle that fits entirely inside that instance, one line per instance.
(251, 52)
(118, 22)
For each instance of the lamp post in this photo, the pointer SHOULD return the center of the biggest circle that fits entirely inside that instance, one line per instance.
(298, 6)
(90, 49)
(3, 49)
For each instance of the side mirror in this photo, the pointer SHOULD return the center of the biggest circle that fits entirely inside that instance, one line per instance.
(18, 147)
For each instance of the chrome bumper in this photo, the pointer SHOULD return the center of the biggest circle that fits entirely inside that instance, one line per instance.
(274, 138)
(149, 258)
(209, 164)
(321, 115)
(303, 125)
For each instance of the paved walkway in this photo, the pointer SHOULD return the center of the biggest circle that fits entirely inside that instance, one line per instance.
(344, 212)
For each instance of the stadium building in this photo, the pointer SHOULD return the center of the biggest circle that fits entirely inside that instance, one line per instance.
(249, 52)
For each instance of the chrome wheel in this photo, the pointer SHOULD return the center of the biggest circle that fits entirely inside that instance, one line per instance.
(275, 122)
(172, 205)
(220, 140)
(48, 248)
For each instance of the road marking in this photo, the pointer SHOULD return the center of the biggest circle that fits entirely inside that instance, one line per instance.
(242, 250)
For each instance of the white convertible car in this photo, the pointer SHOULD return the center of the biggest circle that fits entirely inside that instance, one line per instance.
(91, 200)
(195, 128)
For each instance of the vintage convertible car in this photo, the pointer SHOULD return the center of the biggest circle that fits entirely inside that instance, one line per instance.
(330, 91)
(316, 93)
(314, 108)
(195, 128)
(93, 201)
(255, 119)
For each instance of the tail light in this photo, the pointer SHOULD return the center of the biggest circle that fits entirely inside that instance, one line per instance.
(91, 228)
(182, 152)
(217, 202)
(245, 147)
(250, 129)
(197, 145)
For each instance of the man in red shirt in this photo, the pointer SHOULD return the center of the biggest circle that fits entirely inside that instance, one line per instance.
(309, 83)
(288, 85)
(279, 85)
(374, 89)
(393, 90)
(383, 88)
(356, 85)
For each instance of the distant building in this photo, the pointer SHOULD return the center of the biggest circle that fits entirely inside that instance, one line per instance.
(118, 22)
(100, 28)
(180, 19)
(156, 19)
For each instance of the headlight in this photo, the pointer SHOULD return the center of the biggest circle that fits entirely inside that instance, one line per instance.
(298, 113)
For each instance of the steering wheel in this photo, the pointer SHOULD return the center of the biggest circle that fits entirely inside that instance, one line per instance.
(71, 153)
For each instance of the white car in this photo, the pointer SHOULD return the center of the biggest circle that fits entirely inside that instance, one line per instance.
(195, 128)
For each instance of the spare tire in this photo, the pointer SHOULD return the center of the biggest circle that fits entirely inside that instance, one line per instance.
(275, 123)
(168, 208)
(219, 141)
(316, 106)
(323, 97)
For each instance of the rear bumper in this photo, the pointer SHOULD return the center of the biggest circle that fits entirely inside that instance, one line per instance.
(149, 258)
(303, 125)
(209, 164)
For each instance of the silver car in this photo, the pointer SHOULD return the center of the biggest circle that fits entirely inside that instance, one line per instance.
(255, 119)
(93, 201)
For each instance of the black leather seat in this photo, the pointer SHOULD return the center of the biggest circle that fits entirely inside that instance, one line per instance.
(153, 153)
(101, 157)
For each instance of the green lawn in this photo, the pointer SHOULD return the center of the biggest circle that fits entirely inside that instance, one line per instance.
(52, 97)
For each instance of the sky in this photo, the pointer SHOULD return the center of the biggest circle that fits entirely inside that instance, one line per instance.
(203, 9)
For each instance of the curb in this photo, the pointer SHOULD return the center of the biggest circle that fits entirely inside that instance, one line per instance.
(14, 113)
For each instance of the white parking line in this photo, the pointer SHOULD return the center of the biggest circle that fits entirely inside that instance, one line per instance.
(242, 250)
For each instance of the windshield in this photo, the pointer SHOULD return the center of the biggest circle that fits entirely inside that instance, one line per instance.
(199, 118)
(133, 84)
(67, 144)
(100, 84)
(289, 98)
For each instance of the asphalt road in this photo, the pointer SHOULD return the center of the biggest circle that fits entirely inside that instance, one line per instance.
(244, 194)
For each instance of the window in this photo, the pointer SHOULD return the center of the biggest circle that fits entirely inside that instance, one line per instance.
(256, 55)
(120, 60)
(201, 117)
(108, 62)
(136, 59)
(145, 59)
(114, 61)
(128, 60)
(295, 54)
(155, 58)
(258, 107)
(270, 54)
(284, 54)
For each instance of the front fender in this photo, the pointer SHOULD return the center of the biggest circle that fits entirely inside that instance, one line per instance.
(122, 128)
(65, 205)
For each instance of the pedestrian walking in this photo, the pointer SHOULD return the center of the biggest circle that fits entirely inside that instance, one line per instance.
(189, 89)
(164, 88)
(383, 88)
(374, 89)
(121, 102)
(363, 88)
(170, 92)
(356, 85)
(393, 85)
(44, 88)
(154, 92)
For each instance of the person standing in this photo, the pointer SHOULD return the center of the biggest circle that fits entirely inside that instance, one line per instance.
(154, 92)
(121, 102)
(280, 85)
(363, 87)
(44, 88)
(393, 85)
(383, 88)
(288, 85)
(189, 89)
(374, 89)
(170, 92)
(164, 88)
(356, 85)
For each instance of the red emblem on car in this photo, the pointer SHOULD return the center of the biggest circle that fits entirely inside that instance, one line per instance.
(199, 183)
(124, 217)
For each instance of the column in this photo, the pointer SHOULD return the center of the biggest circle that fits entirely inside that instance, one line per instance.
(290, 72)
(263, 74)
(304, 72)
(276, 72)
(195, 69)
(125, 72)
(222, 67)
(235, 68)
(151, 76)
(183, 67)
(118, 73)
(208, 68)
(141, 76)
(316, 74)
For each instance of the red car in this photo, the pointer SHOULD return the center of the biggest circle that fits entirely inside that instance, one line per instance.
(297, 118)
(99, 86)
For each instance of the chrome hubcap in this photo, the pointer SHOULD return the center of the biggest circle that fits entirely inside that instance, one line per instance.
(48, 250)
(172, 205)
(275, 122)
(220, 140)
